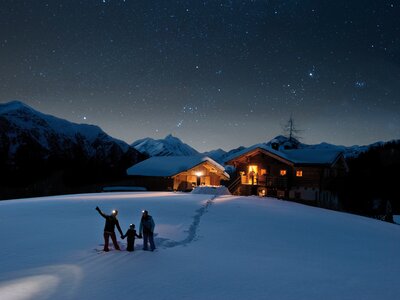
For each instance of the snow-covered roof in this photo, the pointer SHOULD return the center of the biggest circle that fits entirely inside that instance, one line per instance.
(166, 166)
(296, 156)
(311, 156)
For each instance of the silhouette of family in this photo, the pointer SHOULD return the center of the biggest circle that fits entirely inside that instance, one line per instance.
(146, 231)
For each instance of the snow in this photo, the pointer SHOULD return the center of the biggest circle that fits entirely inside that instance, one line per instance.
(124, 189)
(311, 156)
(297, 156)
(41, 126)
(211, 190)
(165, 166)
(11, 106)
(300, 153)
(169, 146)
(226, 247)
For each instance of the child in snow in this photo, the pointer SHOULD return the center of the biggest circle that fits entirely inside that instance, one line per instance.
(131, 234)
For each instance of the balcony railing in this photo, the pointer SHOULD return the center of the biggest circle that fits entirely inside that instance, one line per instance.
(267, 181)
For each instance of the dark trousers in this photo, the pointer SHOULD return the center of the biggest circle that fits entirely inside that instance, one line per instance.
(113, 238)
(131, 244)
(148, 237)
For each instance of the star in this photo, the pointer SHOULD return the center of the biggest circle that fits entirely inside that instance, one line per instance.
(195, 66)
(360, 84)
(312, 73)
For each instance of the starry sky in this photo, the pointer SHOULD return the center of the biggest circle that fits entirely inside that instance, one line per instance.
(216, 74)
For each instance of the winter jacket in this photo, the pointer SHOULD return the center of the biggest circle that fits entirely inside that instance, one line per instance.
(147, 225)
(130, 234)
(111, 222)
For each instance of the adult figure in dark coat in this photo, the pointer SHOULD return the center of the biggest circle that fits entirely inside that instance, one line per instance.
(109, 228)
(147, 229)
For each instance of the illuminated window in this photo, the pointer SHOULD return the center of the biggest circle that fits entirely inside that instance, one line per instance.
(253, 168)
(263, 171)
(299, 173)
(283, 172)
(253, 173)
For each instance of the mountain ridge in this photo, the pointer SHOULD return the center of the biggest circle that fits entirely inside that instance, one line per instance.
(20, 121)
(169, 146)
(34, 144)
(172, 146)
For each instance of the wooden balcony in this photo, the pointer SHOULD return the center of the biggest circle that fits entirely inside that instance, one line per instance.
(278, 182)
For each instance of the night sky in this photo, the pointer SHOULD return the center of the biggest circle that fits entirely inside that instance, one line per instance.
(213, 73)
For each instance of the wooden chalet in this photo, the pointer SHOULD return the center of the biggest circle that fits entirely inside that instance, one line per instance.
(298, 174)
(176, 173)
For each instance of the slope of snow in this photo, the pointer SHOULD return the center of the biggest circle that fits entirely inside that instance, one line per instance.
(170, 146)
(27, 117)
(48, 130)
(207, 248)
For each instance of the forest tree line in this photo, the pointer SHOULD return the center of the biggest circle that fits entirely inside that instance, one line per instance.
(372, 183)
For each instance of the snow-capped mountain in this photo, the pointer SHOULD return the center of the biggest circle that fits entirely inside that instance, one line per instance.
(28, 135)
(173, 146)
(220, 155)
(215, 154)
(170, 146)
(282, 142)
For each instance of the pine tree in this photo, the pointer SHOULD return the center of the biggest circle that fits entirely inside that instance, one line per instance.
(291, 131)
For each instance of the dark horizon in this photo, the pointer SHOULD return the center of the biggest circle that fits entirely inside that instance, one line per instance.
(215, 75)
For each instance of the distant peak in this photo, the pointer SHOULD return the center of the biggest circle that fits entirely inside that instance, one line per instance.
(16, 103)
(13, 105)
(280, 137)
(169, 146)
(171, 137)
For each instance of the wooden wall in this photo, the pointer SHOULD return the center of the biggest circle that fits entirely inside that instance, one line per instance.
(184, 181)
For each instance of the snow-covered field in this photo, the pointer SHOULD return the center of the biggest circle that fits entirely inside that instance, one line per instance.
(225, 248)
